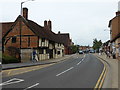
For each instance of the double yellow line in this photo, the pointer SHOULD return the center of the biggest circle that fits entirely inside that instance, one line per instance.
(101, 79)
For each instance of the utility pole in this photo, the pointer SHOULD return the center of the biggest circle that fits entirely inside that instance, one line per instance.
(21, 23)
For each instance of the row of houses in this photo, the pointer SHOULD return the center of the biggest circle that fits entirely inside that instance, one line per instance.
(114, 25)
(28, 36)
(113, 45)
(84, 48)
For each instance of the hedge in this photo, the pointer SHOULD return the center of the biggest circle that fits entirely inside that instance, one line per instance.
(9, 59)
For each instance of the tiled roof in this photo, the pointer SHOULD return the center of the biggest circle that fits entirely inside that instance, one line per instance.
(64, 38)
(39, 31)
(5, 27)
(42, 32)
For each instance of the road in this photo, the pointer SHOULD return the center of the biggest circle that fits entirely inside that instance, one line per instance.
(77, 72)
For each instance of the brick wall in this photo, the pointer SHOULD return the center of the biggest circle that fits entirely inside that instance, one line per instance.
(29, 40)
(115, 26)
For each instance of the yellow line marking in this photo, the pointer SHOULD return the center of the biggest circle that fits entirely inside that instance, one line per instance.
(102, 81)
(97, 84)
(24, 70)
(9, 72)
(101, 78)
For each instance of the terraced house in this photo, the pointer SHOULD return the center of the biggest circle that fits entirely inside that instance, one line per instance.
(28, 36)
(114, 25)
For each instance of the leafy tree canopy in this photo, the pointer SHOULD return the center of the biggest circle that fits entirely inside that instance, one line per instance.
(96, 44)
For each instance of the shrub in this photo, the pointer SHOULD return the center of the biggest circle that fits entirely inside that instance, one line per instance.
(9, 59)
(13, 51)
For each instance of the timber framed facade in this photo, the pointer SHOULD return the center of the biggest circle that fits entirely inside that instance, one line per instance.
(28, 36)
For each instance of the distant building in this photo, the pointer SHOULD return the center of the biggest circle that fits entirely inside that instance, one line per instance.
(106, 46)
(83, 48)
(65, 39)
(28, 36)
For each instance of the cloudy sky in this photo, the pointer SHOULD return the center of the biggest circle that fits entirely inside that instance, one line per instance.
(83, 19)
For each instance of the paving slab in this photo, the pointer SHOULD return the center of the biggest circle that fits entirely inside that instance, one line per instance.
(112, 77)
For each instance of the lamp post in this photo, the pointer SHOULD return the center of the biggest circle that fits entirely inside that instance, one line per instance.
(22, 4)
(21, 24)
(109, 31)
(109, 44)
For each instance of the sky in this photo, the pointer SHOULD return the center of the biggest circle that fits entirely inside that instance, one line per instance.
(85, 20)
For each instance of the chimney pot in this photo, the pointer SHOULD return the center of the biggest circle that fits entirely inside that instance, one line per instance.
(49, 25)
(117, 13)
(45, 24)
(58, 32)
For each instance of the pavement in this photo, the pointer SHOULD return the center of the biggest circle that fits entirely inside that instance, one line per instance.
(112, 77)
(28, 64)
(75, 72)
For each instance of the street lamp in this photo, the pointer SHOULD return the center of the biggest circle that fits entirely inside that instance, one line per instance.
(109, 44)
(21, 24)
(109, 31)
(22, 4)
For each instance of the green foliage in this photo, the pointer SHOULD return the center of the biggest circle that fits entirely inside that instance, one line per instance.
(97, 44)
(9, 59)
(74, 48)
(0, 54)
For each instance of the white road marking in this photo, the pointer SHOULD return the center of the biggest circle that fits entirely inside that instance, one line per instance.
(31, 86)
(64, 71)
(82, 59)
(78, 63)
(12, 81)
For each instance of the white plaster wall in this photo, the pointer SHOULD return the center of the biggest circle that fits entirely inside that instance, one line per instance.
(40, 42)
(50, 46)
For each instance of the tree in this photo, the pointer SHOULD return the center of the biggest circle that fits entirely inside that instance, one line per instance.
(97, 44)
(74, 48)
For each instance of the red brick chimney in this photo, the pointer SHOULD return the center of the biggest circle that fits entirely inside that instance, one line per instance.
(117, 13)
(49, 25)
(58, 32)
(25, 13)
(45, 24)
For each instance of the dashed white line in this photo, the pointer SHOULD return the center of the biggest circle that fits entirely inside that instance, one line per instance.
(78, 63)
(31, 86)
(82, 59)
(64, 71)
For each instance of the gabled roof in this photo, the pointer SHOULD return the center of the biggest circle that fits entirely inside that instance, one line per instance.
(64, 38)
(38, 30)
(112, 19)
(41, 31)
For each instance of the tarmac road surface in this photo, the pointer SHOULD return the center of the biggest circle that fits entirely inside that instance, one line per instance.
(78, 72)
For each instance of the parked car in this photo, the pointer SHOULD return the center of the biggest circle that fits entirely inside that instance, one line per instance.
(92, 51)
(81, 52)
